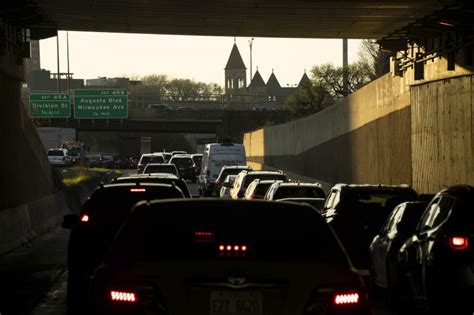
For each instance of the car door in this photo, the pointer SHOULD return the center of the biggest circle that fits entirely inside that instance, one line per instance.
(381, 245)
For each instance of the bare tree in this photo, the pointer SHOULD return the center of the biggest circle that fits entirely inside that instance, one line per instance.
(377, 59)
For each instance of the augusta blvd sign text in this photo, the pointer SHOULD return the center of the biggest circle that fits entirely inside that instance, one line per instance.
(100, 104)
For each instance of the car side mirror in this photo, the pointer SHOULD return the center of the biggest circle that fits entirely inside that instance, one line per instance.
(69, 221)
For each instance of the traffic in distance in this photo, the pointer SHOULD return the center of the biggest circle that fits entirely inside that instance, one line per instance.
(266, 243)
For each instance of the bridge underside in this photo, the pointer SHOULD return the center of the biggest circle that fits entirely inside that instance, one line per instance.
(265, 18)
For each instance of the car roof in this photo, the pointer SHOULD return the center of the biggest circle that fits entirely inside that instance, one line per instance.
(281, 183)
(181, 156)
(158, 164)
(245, 167)
(152, 154)
(363, 187)
(150, 175)
(265, 173)
(464, 192)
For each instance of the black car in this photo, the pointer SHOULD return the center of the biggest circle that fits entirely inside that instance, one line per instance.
(93, 230)
(437, 261)
(160, 178)
(383, 251)
(185, 166)
(356, 213)
(222, 257)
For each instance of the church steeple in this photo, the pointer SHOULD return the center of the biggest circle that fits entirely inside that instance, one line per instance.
(235, 72)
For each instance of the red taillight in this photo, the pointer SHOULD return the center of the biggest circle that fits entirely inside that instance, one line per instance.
(459, 242)
(258, 197)
(137, 190)
(120, 296)
(204, 237)
(85, 218)
(346, 298)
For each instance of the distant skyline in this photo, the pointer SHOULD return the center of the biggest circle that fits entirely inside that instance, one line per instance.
(201, 58)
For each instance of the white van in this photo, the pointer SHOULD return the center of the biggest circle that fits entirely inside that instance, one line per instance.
(214, 157)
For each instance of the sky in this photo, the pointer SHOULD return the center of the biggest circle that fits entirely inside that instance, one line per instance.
(201, 58)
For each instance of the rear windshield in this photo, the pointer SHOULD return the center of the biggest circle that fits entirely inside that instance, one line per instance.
(157, 180)
(299, 192)
(182, 162)
(197, 159)
(109, 206)
(55, 153)
(229, 171)
(152, 159)
(261, 189)
(196, 230)
(251, 177)
(160, 169)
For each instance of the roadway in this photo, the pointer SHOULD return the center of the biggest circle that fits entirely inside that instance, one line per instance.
(34, 277)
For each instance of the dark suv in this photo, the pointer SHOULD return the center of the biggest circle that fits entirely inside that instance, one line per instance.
(93, 230)
(357, 212)
(437, 261)
(185, 165)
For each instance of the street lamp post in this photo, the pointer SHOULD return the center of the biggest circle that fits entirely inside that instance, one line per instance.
(250, 85)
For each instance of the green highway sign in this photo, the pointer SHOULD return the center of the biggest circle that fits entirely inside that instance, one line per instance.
(100, 104)
(50, 105)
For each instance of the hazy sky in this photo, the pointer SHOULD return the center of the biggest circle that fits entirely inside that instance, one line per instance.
(202, 58)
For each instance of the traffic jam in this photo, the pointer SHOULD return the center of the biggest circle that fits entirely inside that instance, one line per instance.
(259, 242)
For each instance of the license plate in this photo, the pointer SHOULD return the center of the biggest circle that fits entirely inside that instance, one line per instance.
(236, 303)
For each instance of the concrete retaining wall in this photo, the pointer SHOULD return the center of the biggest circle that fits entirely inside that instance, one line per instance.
(443, 133)
(20, 224)
(363, 139)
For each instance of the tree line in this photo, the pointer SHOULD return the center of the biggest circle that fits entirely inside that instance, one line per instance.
(172, 89)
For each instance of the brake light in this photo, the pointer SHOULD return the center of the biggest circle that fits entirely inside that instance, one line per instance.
(120, 296)
(203, 237)
(459, 242)
(137, 190)
(346, 298)
(85, 218)
(232, 248)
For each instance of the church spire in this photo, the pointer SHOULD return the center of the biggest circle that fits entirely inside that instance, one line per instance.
(235, 61)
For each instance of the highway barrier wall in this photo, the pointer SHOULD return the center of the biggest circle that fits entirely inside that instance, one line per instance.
(376, 135)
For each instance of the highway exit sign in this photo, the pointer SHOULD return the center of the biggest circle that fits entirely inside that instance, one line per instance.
(50, 105)
(100, 104)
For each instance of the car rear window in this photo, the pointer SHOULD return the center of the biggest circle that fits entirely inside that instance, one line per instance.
(110, 205)
(160, 169)
(196, 230)
(261, 189)
(229, 171)
(182, 162)
(299, 192)
(152, 159)
(251, 177)
(55, 153)
(197, 159)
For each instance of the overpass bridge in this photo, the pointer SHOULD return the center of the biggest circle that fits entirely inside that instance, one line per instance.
(433, 44)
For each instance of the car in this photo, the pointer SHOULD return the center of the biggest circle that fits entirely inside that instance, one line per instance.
(437, 260)
(159, 107)
(357, 212)
(226, 186)
(93, 230)
(185, 165)
(107, 161)
(149, 158)
(280, 190)
(216, 156)
(221, 256)
(59, 157)
(160, 168)
(383, 251)
(257, 189)
(94, 160)
(244, 178)
(317, 203)
(162, 178)
(197, 159)
(229, 170)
